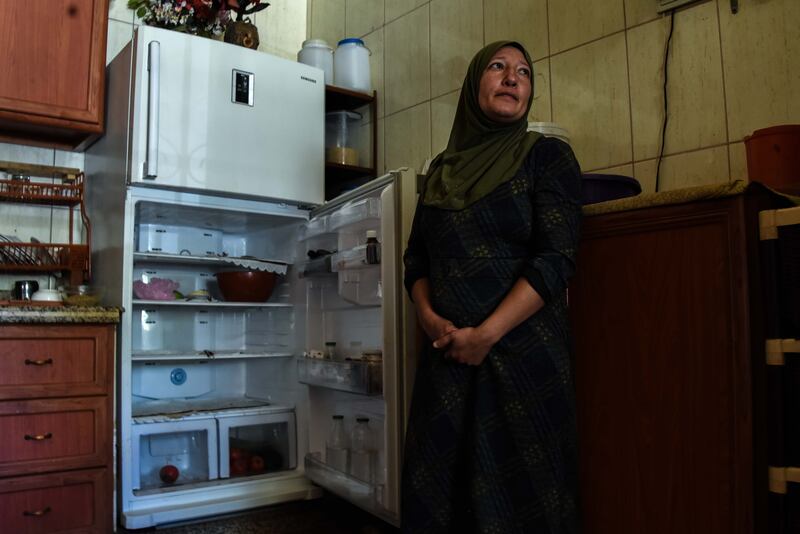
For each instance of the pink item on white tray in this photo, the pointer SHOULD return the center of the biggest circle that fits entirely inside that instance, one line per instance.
(156, 289)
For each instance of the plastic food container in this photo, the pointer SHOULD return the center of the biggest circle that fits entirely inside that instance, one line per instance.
(341, 137)
(351, 65)
(549, 129)
(317, 53)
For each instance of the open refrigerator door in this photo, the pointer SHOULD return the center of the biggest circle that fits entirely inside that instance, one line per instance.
(354, 344)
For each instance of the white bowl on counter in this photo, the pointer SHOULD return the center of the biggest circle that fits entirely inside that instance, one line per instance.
(49, 295)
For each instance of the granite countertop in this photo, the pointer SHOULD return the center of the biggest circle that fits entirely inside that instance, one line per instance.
(58, 314)
(680, 196)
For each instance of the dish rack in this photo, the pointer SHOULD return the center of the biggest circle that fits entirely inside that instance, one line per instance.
(72, 258)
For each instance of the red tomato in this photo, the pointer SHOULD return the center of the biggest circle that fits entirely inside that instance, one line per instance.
(238, 467)
(236, 453)
(256, 463)
(169, 474)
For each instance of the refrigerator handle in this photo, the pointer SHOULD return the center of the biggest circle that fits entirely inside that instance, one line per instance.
(153, 67)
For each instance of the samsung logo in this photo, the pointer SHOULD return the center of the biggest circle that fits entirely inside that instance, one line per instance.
(308, 79)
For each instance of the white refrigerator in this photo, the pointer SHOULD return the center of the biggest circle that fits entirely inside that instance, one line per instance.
(237, 398)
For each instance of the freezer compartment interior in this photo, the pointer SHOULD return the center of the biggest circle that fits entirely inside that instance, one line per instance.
(171, 454)
(256, 444)
(198, 330)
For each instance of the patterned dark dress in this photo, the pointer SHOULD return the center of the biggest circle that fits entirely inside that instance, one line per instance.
(492, 448)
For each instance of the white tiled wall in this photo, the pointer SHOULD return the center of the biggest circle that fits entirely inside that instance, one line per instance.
(599, 74)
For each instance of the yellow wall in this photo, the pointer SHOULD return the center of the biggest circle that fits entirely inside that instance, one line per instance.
(598, 74)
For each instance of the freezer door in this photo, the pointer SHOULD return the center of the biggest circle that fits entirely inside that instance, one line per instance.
(211, 116)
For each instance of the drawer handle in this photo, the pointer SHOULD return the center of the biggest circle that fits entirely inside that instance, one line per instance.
(48, 361)
(40, 437)
(37, 513)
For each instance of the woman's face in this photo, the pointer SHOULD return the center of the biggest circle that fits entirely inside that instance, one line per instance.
(505, 86)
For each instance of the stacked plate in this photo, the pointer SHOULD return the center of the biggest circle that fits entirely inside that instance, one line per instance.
(22, 254)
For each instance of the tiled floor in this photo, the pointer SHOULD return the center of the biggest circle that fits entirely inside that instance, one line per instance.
(328, 515)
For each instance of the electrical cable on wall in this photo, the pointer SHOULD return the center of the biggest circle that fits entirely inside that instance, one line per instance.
(666, 70)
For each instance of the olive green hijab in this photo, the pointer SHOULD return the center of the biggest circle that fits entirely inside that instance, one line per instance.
(481, 154)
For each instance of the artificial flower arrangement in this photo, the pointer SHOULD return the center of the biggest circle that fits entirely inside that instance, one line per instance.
(199, 17)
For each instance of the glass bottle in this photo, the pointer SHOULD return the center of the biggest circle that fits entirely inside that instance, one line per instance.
(330, 350)
(362, 454)
(373, 248)
(337, 453)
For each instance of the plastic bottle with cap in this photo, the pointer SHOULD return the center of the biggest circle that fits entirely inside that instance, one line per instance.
(317, 53)
(373, 248)
(351, 65)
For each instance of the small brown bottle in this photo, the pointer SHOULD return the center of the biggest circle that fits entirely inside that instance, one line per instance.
(373, 248)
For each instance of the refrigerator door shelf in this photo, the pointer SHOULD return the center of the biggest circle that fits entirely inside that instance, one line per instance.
(362, 214)
(316, 267)
(317, 226)
(354, 258)
(190, 447)
(369, 497)
(364, 378)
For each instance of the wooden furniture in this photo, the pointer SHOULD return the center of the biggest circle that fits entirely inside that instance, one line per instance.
(72, 258)
(53, 65)
(668, 311)
(56, 404)
(339, 177)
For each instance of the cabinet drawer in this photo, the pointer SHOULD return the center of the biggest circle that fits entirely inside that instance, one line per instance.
(79, 501)
(49, 435)
(38, 361)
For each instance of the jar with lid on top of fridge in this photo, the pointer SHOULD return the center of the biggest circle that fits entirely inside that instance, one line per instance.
(351, 65)
(342, 129)
(317, 53)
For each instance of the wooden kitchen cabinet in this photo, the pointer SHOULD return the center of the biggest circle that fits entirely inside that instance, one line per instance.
(56, 402)
(670, 314)
(53, 71)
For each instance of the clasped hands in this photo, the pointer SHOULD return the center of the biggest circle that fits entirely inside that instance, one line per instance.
(468, 345)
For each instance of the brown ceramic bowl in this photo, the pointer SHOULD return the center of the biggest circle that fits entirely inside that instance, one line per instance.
(246, 286)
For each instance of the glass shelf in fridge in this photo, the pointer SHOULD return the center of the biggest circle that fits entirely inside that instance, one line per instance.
(169, 355)
(212, 304)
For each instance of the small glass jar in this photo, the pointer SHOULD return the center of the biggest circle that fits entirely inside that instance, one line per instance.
(373, 248)
(330, 350)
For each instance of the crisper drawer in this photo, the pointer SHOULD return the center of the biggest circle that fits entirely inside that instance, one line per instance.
(37, 361)
(256, 444)
(51, 435)
(75, 502)
(174, 453)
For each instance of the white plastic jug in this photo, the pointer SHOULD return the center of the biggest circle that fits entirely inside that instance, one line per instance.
(351, 65)
(317, 53)
(549, 129)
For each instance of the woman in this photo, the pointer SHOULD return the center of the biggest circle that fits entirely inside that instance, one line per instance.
(491, 443)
